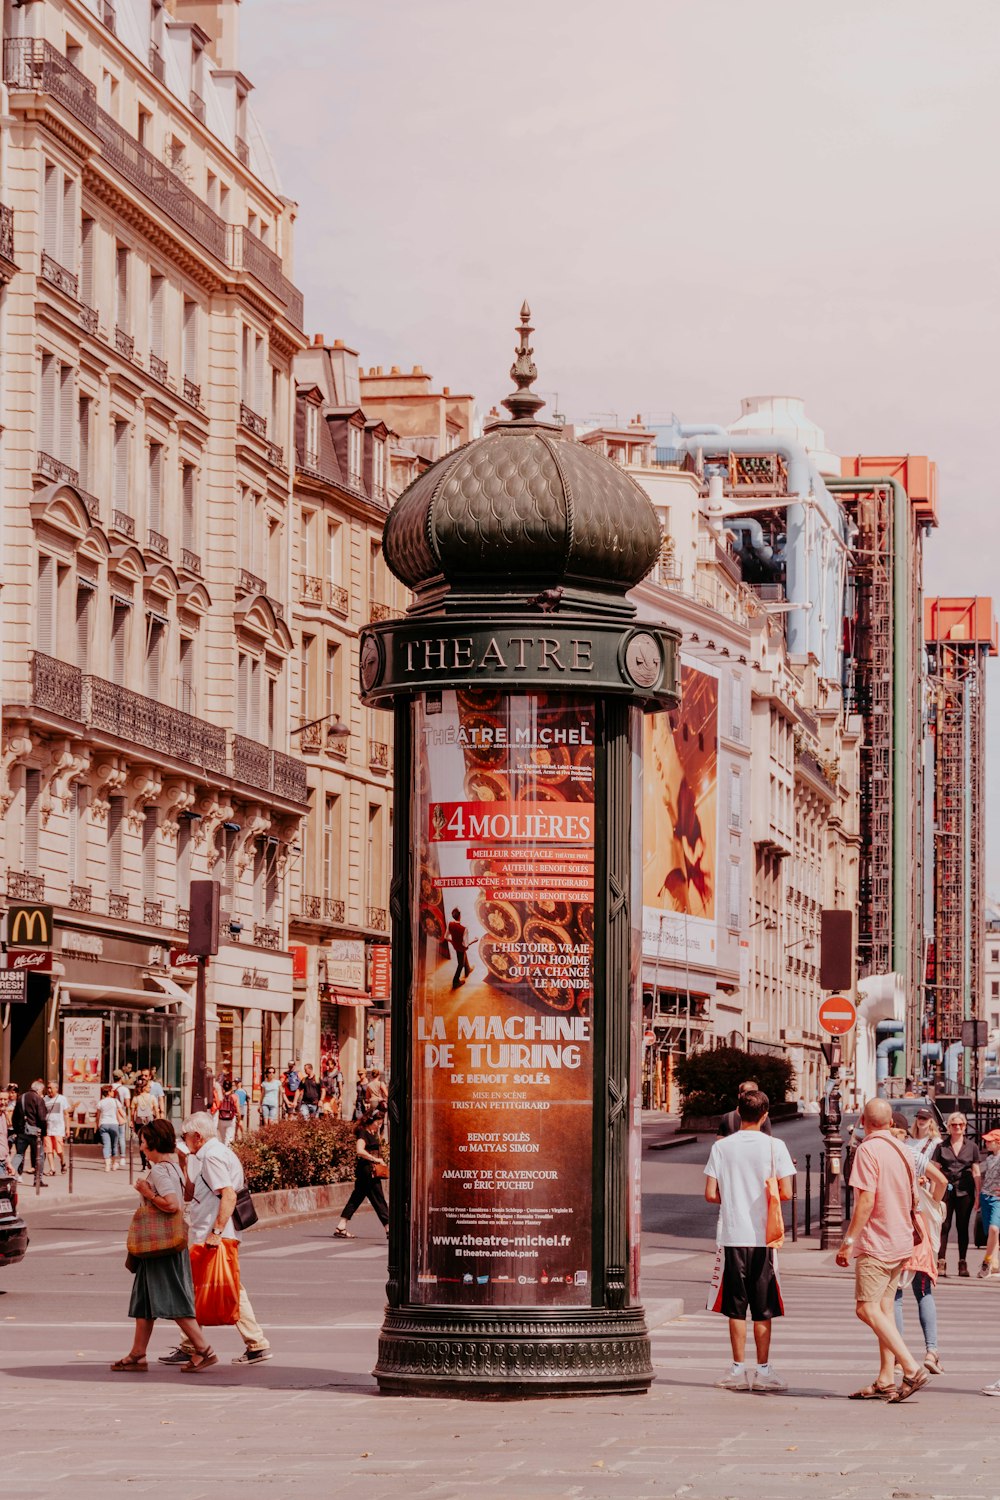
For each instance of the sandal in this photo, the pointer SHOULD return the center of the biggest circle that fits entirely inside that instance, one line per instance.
(201, 1359)
(343, 1234)
(873, 1392)
(911, 1384)
(131, 1362)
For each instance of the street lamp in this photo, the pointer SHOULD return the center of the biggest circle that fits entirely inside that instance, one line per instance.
(832, 1211)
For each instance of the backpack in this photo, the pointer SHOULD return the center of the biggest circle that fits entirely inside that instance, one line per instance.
(291, 1082)
(228, 1108)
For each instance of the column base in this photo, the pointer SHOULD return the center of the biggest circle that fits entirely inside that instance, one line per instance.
(495, 1354)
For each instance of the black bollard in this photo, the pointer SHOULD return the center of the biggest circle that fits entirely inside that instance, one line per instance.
(808, 1228)
(795, 1200)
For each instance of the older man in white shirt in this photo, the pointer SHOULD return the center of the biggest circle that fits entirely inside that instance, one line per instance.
(214, 1177)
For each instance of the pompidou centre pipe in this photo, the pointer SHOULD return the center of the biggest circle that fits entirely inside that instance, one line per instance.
(518, 678)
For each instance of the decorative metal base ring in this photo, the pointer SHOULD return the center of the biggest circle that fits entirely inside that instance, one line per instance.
(511, 1354)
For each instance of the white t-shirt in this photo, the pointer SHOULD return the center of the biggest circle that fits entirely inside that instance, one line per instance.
(107, 1111)
(213, 1167)
(57, 1106)
(741, 1164)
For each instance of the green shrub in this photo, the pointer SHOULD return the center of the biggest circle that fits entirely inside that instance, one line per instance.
(297, 1153)
(708, 1081)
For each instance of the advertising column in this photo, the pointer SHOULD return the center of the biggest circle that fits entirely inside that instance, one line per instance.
(502, 1038)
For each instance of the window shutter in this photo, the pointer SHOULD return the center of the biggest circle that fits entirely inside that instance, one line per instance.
(67, 399)
(156, 300)
(190, 536)
(32, 798)
(735, 800)
(83, 440)
(121, 467)
(74, 830)
(47, 422)
(45, 605)
(116, 814)
(149, 853)
(155, 632)
(121, 287)
(156, 486)
(87, 236)
(84, 597)
(242, 693)
(70, 222)
(190, 339)
(50, 211)
(119, 641)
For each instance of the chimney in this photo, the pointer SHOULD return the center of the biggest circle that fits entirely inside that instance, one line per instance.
(318, 341)
(338, 343)
(446, 390)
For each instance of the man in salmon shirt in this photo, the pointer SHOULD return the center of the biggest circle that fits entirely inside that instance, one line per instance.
(880, 1236)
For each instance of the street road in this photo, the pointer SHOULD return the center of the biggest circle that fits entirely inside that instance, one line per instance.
(308, 1422)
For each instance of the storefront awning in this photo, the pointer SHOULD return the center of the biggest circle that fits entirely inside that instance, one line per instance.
(173, 990)
(348, 997)
(74, 993)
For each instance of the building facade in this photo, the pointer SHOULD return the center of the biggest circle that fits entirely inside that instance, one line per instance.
(149, 335)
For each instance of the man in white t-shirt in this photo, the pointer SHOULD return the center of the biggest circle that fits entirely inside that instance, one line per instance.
(214, 1177)
(746, 1273)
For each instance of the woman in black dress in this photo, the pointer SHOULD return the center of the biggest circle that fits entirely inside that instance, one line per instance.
(367, 1140)
(959, 1160)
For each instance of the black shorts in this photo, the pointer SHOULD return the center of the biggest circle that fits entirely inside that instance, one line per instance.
(750, 1281)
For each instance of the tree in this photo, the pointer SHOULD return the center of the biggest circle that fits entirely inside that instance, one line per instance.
(709, 1081)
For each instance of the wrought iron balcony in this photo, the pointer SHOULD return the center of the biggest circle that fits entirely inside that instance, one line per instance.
(58, 276)
(56, 686)
(124, 343)
(88, 318)
(93, 505)
(242, 151)
(183, 921)
(33, 65)
(378, 755)
(275, 455)
(157, 64)
(311, 738)
(54, 468)
(253, 421)
(144, 721)
(266, 936)
(80, 897)
(295, 310)
(123, 523)
(158, 368)
(249, 253)
(307, 459)
(7, 235)
(311, 908)
(161, 186)
(289, 778)
(152, 913)
(377, 612)
(24, 887)
(251, 762)
(311, 589)
(118, 904)
(190, 561)
(338, 598)
(158, 543)
(337, 744)
(192, 392)
(250, 583)
(356, 483)
(378, 918)
(333, 911)
(197, 106)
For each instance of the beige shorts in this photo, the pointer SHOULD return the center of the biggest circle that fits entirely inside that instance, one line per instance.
(875, 1279)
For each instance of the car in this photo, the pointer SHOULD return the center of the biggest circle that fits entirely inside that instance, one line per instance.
(989, 1087)
(908, 1108)
(13, 1229)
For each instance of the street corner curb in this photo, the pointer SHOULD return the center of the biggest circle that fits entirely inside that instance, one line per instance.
(663, 1310)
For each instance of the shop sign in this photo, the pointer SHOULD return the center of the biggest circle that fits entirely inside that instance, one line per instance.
(29, 926)
(180, 958)
(83, 1049)
(13, 987)
(253, 979)
(502, 1038)
(30, 960)
(86, 945)
(344, 959)
(381, 970)
(300, 960)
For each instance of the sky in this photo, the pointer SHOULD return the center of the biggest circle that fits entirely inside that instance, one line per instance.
(700, 199)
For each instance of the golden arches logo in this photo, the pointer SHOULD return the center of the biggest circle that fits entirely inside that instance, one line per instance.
(29, 926)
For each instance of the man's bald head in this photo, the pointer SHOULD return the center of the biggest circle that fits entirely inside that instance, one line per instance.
(878, 1114)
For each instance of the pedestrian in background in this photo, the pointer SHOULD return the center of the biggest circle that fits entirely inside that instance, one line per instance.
(989, 1202)
(309, 1093)
(290, 1080)
(921, 1268)
(333, 1087)
(230, 1120)
(29, 1120)
(163, 1287)
(731, 1123)
(108, 1121)
(270, 1098)
(959, 1159)
(368, 1171)
(880, 1235)
(56, 1105)
(361, 1095)
(159, 1094)
(746, 1278)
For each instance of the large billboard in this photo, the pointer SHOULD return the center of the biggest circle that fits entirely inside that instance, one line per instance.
(680, 823)
(502, 1014)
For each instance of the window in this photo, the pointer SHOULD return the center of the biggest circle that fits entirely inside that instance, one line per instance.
(374, 870)
(186, 694)
(116, 819)
(272, 709)
(735, 800)
(378, 466)
(156, 634)
(88, 240)
(109, 93)
(46, 633)
(994, 989)
(312, 435)
(57, 416)
(189, 517)
(248, 685)
(149, 827)
(331, 844)
(184, 853)
(191, 340)
(332, 673)
(157, 303)
(212, 192)
(122, 287)
(145, 128)
(121, 610)
(333, 551)
(120, 457)
(85, 597)
(308, 542)
(60, 217)
(251, 530)
(736, 706)
(733, 902)
(84, 423)
(155, 489)
(995, 956)
(305, 671)
(76, 863)
(375, 574)
(354, 454)
(277, 426)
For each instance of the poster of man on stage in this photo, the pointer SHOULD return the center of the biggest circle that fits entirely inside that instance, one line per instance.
(502, 1061)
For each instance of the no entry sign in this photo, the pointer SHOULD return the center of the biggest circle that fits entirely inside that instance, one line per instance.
(837, 1014)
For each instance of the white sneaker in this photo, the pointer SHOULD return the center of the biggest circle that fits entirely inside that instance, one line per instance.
(736, 1380)
(769, 1382)
(991, 1390)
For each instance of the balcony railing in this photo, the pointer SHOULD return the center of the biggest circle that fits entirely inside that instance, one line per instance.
(251, 762)
(6, 233)
(337, 744)
(183, 921)
(156, 62)
(158, 543)
(93, 505)
(266, 936)
(333, 911)
(253, 421)
(377, 612)
(152, 913)
(123, 523)
(242, 151)
(161, 186)
(306, 458)
(197, 106)
(250, 583)
(275, 455)
(338, 598)
(190, 561)
(357, 484)
(295, 310)
(378, 918)
(158, 368)
(88, 318)
(289, 778)
(192, 392)
(54, 468)
(80, 897)
(145, 721)
(29, 63)
(249, 253)
(124, 343)
(311, 738)
(378, 755)
(56, 686)
(118, 904)
(311, 589)
(58, 276)
(24, 887)
(311, 909)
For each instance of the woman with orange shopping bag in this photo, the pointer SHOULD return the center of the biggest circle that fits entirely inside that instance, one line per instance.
(158, 1256)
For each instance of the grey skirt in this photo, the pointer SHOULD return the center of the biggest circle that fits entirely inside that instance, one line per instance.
(163, 1287)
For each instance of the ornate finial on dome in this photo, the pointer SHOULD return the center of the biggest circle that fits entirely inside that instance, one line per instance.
(524, 403)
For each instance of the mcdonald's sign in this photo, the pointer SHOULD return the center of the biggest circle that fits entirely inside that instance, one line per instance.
(29, 926)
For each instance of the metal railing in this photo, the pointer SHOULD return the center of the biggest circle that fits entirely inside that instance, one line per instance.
(158, 368)
(93, 505)
(29, 63)
(192, 392)
(250, 583)
(247, 252)
(275, 455)
(266, 936)
(333, 911)
(54, 468)
(24, 887)
(80, 897)
(311, 738)
(338, 598)
(88, 318)
(306, 458)
(190, 561)
(58, 276)
(183, 921)
(378, 755)
(251, 762)
(152, 913)
(337, 744)
(311, 589)
(56, 686)
(253, 421)
(289, 777)
(118, 904)
(377, 612)
(6, 232)
(123, 523)
(125, 343)
(311, 908)
(158, 543)
(295, 309)
(378, 918)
